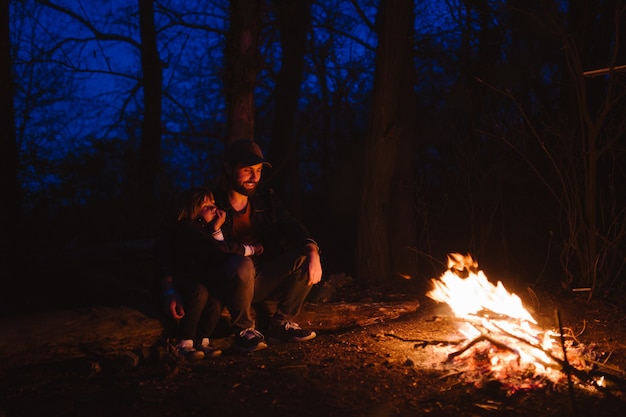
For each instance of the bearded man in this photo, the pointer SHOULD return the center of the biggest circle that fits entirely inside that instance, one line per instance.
(286, 259)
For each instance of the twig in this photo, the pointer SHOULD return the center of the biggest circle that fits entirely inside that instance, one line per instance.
(604, 365)
(568, 368)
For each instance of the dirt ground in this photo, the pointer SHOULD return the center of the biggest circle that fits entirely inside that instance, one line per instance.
(372, 357)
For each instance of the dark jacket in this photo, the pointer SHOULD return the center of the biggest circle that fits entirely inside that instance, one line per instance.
(189, 250)
(278, 231)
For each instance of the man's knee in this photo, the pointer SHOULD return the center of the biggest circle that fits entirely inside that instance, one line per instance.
(243, 268)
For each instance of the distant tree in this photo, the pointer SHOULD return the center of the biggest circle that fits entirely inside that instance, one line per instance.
(40, 92)
(386, 231)
(568, 130)
(592, 171)
(480, 198)
(123, 48)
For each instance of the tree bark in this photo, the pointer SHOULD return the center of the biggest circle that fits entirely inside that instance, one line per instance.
(150, 146)
(294, 17)
(385, 216)
(9, 188)
(140, 192)
(242, 65)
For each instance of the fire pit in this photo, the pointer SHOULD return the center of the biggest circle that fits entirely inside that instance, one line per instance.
(500, 341)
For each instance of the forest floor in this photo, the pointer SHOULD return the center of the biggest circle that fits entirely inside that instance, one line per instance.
(373, 356)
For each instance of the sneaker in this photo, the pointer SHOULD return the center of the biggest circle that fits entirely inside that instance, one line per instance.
(188, 352)
(288, 331)
(249, 340)
(209, 352)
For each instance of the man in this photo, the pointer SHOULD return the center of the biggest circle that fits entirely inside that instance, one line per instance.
(288, 264)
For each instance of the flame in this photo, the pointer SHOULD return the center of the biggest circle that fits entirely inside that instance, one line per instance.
(496, 322)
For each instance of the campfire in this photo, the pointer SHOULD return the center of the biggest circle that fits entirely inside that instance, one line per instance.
(501, 341)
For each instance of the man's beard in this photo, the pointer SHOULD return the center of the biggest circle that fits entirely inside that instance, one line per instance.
(239, 187)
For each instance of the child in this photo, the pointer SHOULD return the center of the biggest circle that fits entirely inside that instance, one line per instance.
(186, 256)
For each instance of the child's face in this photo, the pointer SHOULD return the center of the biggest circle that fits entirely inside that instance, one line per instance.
(208, 210)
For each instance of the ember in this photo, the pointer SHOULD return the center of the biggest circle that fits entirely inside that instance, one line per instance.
(503, 341)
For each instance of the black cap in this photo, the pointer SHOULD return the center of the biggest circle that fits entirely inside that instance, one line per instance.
(246, 152)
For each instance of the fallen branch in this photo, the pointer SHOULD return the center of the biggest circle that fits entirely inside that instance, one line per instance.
(424, 343)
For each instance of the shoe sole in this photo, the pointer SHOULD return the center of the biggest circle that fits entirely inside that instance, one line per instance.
(193, 358)
(213, 354)
(277, 340)
(260, 346)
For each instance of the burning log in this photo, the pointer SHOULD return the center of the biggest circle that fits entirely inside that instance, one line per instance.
(482, 337)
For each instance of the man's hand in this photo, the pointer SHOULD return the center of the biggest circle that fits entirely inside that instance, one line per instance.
(314, 265)
(258, 248)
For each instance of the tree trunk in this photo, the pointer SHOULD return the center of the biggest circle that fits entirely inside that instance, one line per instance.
(242, 65)
(385, 217)
(9, 189)
(294, 17)
(140, 194)
(150, 146)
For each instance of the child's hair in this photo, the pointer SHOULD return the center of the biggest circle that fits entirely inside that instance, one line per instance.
(191, 201)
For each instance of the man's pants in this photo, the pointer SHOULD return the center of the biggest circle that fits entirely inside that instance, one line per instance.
(282, 277)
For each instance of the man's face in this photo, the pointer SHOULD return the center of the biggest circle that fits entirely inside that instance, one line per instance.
(246, 178)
